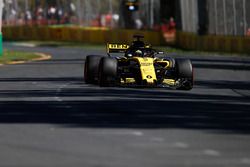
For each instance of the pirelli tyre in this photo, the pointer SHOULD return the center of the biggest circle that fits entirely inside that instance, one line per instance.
(91, 68)
(107, 71)
(184, 71)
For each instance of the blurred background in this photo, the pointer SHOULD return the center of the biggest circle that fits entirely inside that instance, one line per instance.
(219, 17)
(91, 13)
(208, 25)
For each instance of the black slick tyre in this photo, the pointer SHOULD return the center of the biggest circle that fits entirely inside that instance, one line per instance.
(107, 71)
(91, 68)
(184, 71)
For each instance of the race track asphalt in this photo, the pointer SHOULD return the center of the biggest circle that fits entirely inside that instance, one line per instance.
(50, 117)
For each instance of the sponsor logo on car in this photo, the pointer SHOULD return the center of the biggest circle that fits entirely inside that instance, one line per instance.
(146, 64)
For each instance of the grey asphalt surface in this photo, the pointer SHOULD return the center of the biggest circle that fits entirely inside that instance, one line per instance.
(50, 117)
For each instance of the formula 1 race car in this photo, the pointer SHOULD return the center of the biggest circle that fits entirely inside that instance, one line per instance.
(139, 65)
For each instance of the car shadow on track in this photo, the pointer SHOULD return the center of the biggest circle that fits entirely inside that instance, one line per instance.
(90, 106)
(221, 84)
(129, 108)
(222, 64)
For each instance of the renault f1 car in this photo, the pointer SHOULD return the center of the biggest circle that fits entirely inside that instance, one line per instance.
(139, 65)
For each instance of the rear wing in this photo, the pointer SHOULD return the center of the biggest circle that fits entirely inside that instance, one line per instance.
(117, 48)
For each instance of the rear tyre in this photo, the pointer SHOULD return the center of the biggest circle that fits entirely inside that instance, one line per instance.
(107, 71)
(91, 68)
(184, 71)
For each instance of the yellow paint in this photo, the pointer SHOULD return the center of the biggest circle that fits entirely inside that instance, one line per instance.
(170, 82)
(166, 64)
(130, 80)
(147, 69)
(116, 47)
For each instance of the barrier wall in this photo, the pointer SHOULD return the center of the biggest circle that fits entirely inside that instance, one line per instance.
(184, 40)
(76, 34)
(233, 44)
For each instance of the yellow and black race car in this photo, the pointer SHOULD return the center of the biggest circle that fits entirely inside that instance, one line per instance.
(140, 65)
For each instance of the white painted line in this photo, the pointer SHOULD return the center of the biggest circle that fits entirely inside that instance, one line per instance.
(25, 45)
(211, 152)
(158, 139)
(181, 145)
(245, 161)
(137, 133)
(52, 129)
(58, 99)
(120, 133)
(58, 91)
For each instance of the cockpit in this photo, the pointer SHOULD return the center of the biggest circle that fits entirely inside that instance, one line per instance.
(139, 49)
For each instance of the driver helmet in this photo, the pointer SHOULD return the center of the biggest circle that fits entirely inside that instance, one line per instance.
(138, 53)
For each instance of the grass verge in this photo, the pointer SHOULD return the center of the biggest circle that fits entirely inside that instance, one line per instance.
(10, 57)
(62, 44)
(166, 49)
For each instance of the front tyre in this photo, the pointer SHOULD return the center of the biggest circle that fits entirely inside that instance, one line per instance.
(184, 71)
(107, 71)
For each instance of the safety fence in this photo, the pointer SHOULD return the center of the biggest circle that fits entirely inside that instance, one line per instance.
(76, 34)
(215, 43)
